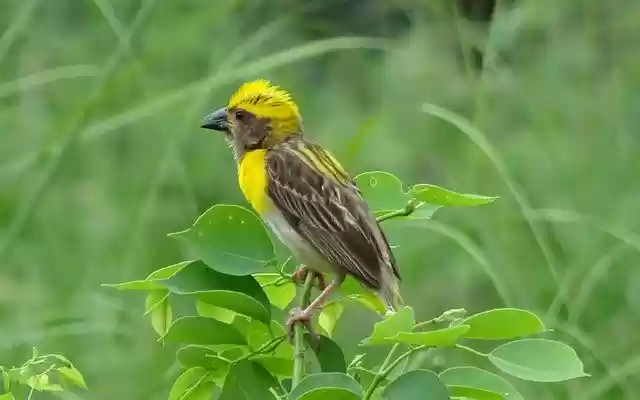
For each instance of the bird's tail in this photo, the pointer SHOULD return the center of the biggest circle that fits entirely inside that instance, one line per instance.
(390, 292)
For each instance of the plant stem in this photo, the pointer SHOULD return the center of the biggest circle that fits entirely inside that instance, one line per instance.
(388, 366)
(403, 356)
(422, 324)
(298, 332)
(449, 315)
(382, 372)
(470, 350)
(268, 347)
(402, 212)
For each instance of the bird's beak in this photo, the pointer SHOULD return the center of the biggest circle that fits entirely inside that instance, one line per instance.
(216, 121)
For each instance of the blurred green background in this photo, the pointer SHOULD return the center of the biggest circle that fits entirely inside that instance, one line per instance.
(101, 155)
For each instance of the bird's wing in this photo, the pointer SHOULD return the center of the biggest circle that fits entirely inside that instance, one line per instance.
(324, 206)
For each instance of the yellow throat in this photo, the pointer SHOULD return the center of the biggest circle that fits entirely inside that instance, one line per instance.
(252, 177)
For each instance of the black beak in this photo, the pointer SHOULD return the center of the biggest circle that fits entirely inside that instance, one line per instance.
(216, 121)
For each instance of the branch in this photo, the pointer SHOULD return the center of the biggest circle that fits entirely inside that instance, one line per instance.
(402, 212)
(388, 366)
(472, 351)
(268, 347)
(381, 374)
(447, 316)
(298, 331)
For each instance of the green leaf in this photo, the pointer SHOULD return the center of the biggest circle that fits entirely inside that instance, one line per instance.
(418, 384)
(479, 378)
(424, 211)
(242, 324)
(279, 295)
(159, 307)
(328, 353)
(473, 393)
(7, 396)
(200, 356)
(247, 381)
(538, 360)
(68, 371)
(445, 337)
(135, 285)
(6, 380)
(230, 239)
(355, 291)
(72, 375)
(382, 191)
(325, 385)
(279, 366)
(201, 330)
(193, 384)
(16, 374)
(241, 294)
(259, 334)
(433, 194)
(217, 364)
(365, 376)
(329, 316)
(503, 323)
(397, 322)
(150, 283)
(167, 272)
(369, 301)
(209, 311)
(41, 383)
(232, 353)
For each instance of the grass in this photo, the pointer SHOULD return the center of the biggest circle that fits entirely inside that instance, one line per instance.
(101, 156)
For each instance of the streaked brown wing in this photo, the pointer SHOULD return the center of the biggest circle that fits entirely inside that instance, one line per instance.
(324, 206)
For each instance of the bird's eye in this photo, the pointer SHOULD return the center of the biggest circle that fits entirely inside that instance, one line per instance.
(240, 115)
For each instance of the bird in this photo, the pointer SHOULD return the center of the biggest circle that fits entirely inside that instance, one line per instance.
(304, 195)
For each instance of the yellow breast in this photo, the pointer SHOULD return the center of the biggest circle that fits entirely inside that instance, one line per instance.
(252, 177)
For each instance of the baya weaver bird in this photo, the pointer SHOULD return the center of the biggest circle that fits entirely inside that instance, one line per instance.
(303, 194)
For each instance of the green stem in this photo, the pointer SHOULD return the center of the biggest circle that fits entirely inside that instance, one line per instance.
(470, 350)
(272, 345)
(448, 315)
(421, 325)
(298, 332)
(402, 212)
(277, 282)
(382, 372)
(268, 347)
(388, 366)
(403, 356)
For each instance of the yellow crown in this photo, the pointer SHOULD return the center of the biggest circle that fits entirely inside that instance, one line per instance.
(264, 100)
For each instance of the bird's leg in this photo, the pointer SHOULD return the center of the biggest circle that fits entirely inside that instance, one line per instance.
(297, 315)
(321, 285)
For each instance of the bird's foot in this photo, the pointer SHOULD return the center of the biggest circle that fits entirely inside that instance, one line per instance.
(299, 316)
(300, 275)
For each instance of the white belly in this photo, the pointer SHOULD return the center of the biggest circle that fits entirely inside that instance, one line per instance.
(300, 247)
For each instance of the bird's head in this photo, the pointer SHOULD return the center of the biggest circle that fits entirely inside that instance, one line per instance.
(257, 116)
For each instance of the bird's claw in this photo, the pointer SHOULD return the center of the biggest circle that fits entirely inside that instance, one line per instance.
(300, 275)
(299, 316)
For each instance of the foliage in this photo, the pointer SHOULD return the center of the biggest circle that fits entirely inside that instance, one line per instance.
(40, 373)
(235, 348)
(101, 155)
